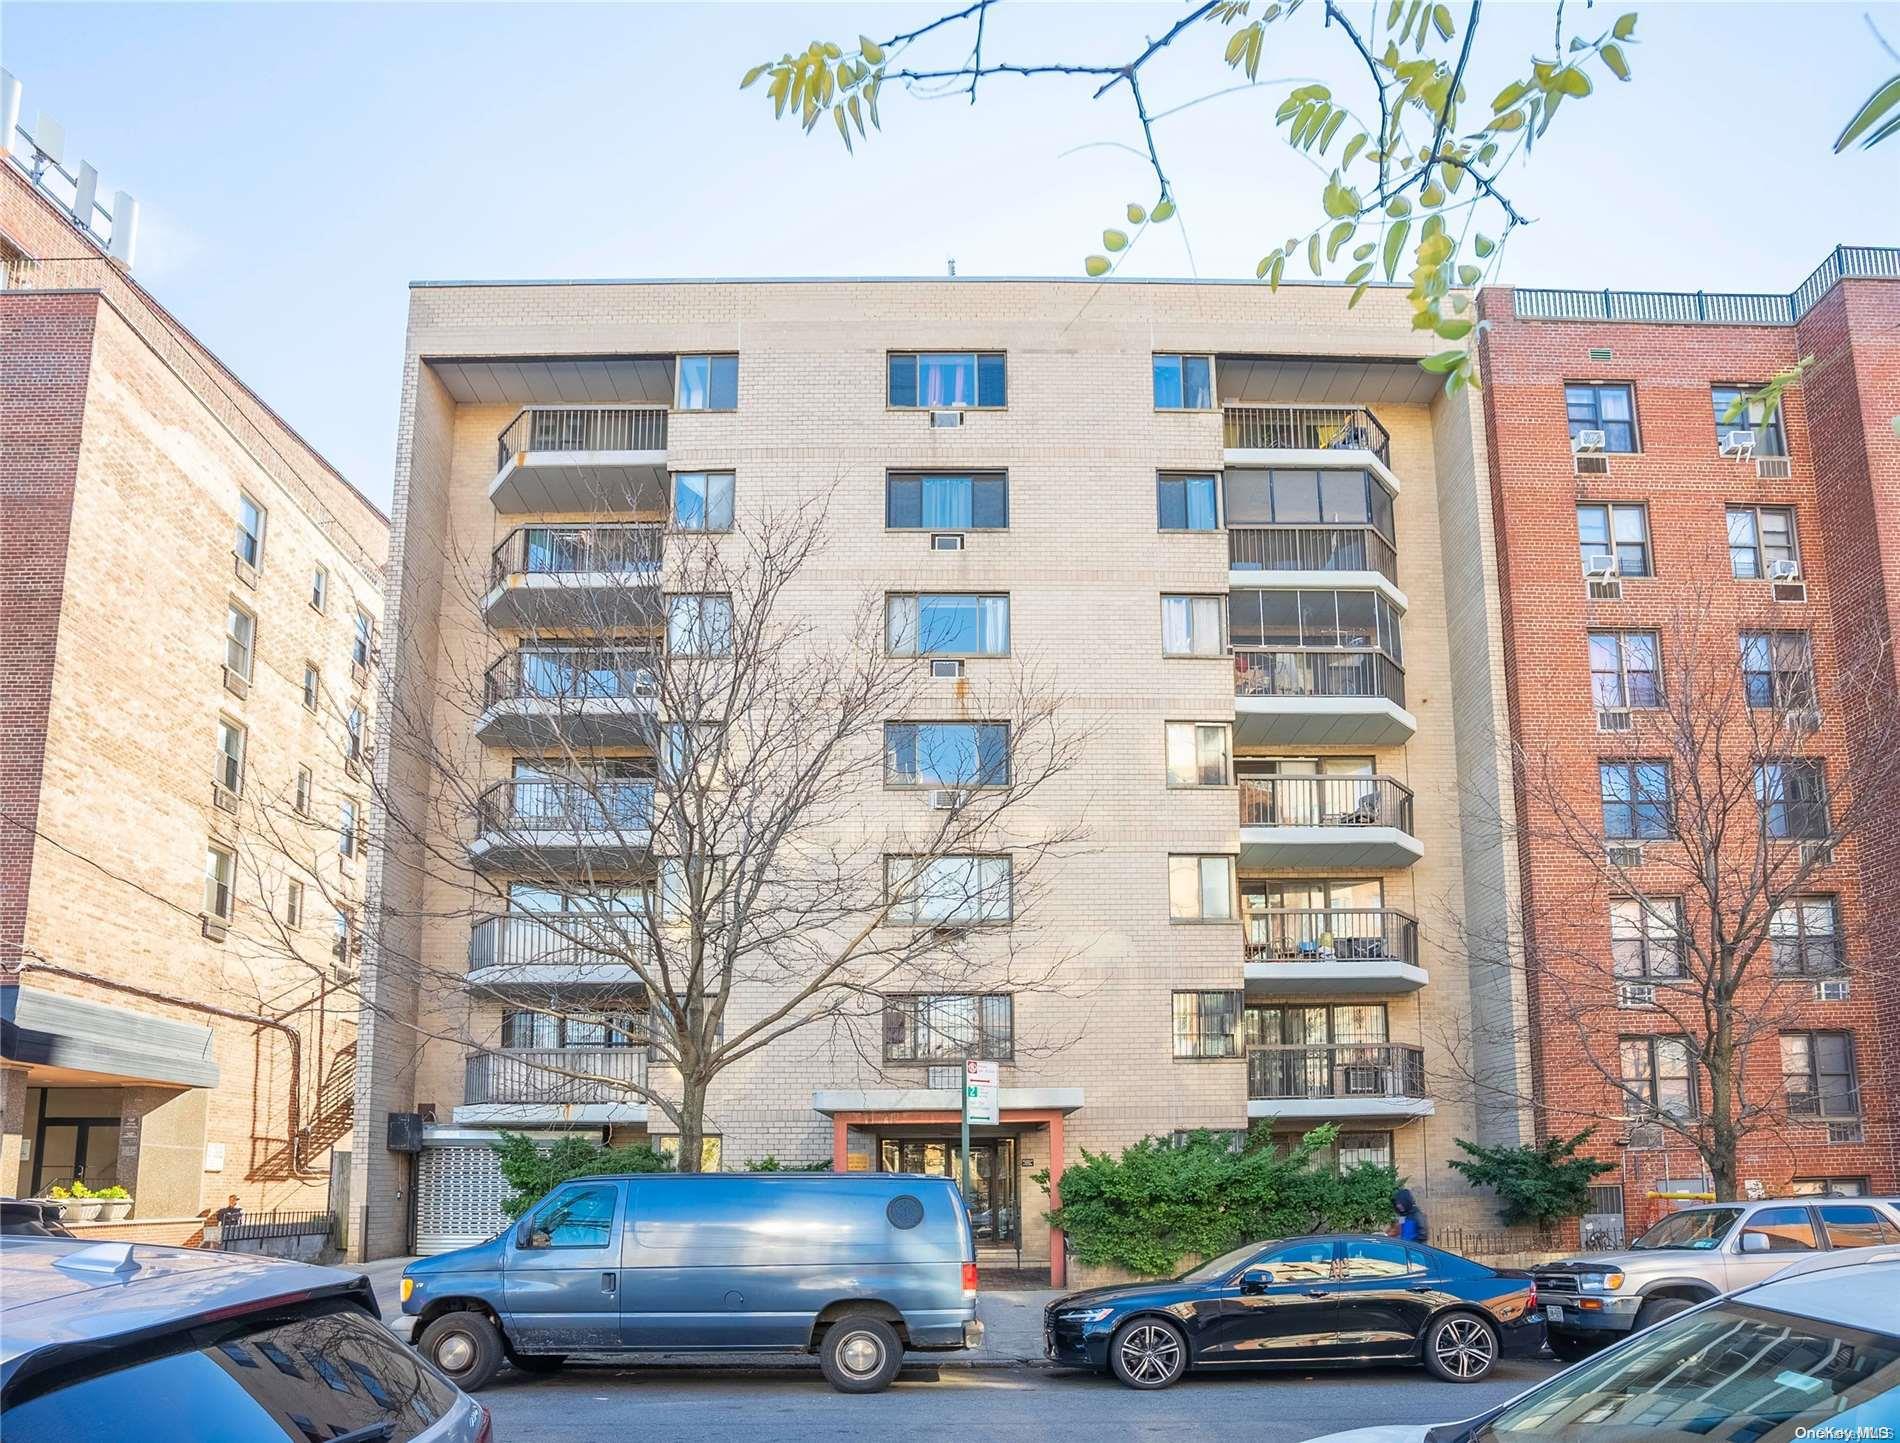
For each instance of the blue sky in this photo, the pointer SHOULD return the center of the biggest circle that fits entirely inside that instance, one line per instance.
(298, 165)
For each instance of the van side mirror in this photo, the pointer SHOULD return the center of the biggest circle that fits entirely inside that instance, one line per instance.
(524, 1232)
(1255, 1280)
(1755, 1242)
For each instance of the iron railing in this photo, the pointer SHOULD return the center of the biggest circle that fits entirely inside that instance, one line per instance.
(1311, 548)
(555, 939)
(1306, 428)
(583, 428)
(1296, 671)
(617, 549)
(1332, 934)
(571, 674)
(1729, 308)
(543, 805)
(278, 1224)
(1342, 1070)
(554, 1075)
(1326, 802)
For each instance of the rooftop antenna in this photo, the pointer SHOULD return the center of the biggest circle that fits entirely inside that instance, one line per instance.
(951, 262)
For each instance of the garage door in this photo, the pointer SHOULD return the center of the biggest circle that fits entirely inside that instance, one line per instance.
(458, 1197)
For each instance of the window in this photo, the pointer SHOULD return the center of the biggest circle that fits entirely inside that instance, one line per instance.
(1817, 1073)
(929, 501)
(1191, 626)
(708, 383)
(946, 754)
(1363, 1149)
(1804, 938)
(220, 876)
(1290, 497)
(1778, 670)
(690, 754)
(1788, 1230)
(250, 532)
(1646, 938)
(346, 838)
(1184, 383)
(948, 380)
(305, 785)
(240, 640)
(1610, 409)
(230, 773)
(353, 731)
(319, 589)
(293, 905)
(1758, 537)
(312, 686)
(1206, 1024)
(946, 624)
(934, 890)
(667, 1145)
(521, 1028)
(1636, 804)
(1187, 503)
(1658, 1078)
(1201, 889)
(1828, 1187)
(1324, 620)
(702, 501)
(1369, 1260)
(1199, 754)
(341, 926)
(362, 640)
(949, 1027)
(1792, 793)
(1624, 669)
(1301, 1262)
(1621, 532)
(699, 625)
(581, 1217)
(1316, 1026)
(1855, 1227)
(1752, 416)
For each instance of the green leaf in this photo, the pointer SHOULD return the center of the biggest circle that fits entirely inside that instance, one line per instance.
(1614, 58)
(1341, 234)
(1353, 147)
(753, 74)
(1443, 361)
(1441, 21)
(1136, 214)
(1361, 252)
(1400, 207)
(1510, 120)
(1432, 196)
(1625, 27)
(1332, 128)
(1571, 81)
(1357, 291)
(837, 114)
(1878, 104)
(1470, 275)
(1114, 240)
(1484, 245)
(1096, 265)
(1163, 211)
(1395, 246)
(1358, 273)
(1266, 264)
(1510, 95)
(1453, 330)
(1312, 252)
(871, 50)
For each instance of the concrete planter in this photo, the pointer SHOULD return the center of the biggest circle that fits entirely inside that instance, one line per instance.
(85, 1210)
(112, 1209)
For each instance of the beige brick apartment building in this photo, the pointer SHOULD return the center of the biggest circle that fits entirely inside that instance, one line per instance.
(188, 595)
(1241, 531)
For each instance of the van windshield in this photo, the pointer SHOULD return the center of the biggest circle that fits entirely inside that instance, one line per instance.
(1701, 1230)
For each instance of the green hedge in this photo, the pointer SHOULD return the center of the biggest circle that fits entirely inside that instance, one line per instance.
(532, 1172)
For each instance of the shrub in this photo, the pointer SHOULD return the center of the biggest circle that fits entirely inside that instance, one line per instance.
(113, 1193)
(532, 1172)
(1536, 1183)
(769, 1163)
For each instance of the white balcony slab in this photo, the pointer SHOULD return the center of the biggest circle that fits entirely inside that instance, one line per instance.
(1375, 847)
(548, 483)
(1334, 459)
(1341, 1109)
(1361, 721)
(1340, 977)
(1260, 579)
(539, 976)
(597, 600)
(522, 846)
(585, 722)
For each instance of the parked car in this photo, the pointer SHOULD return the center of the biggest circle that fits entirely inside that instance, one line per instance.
(1326, 1301)
(1694, 1255)
(857, 1268)
(1815, 1354)
(177, 1345)
(31, 1218)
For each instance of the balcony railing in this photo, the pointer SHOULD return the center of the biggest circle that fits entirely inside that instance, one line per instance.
(584, 428)
(1336, 934)
(1306, 428)
(565, 674)
(1298, 672)
(1345, 1071)
(613, 550)
(1326, 802)
(554, 1075)
(1311, 548)
(556, 939)
(518, 806)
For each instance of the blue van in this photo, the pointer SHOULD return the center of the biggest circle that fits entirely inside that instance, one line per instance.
(856, 1268)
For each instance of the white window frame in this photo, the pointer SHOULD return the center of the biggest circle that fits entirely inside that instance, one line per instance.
(687, 634)
(1196, 606)
(247, 539)
(1193, 735)
(1199, 875)
(240, 636)
(293, 905)
(348, 843)
(220, 896)
(990, 873)
(230, 768)
(319, 590)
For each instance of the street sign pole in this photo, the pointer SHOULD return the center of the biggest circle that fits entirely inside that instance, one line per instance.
(965, 1135)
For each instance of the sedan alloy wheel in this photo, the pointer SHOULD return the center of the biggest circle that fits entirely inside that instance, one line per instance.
(1149, 1354)
(1462, 1348)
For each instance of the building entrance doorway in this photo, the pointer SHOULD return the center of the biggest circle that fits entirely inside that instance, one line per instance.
(70, 1145)
(995, 1216)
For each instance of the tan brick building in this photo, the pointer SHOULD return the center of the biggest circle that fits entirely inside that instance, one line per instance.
(1244, 512)
(181, 579)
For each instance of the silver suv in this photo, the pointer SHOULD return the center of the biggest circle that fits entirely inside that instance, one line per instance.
(1696, 1254)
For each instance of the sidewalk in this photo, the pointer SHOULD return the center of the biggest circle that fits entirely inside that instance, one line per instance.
(1012, 1330)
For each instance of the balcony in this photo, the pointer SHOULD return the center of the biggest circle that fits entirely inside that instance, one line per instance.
(578, 1085)
(1332, 952)
(594, 578)
(1309, 432)
(1359, 822)
(1343, 1081)
(1359, 552)
(544, 826)
(570, 950)
(546, 696)
(581, 458)
(1294, 696)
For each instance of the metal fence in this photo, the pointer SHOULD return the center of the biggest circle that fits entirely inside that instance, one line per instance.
(1341, 1070)
(1311, 548)
(1729, 308)
(615, 549)
(555, 939)
(1306, 428)
(283, 1224)
(1325, 802)
(572, 674)
(584, 428)
(563, 806)
(1327, 934)
(1298, 672)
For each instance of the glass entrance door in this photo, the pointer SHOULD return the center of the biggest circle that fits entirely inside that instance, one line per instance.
(993, 1202)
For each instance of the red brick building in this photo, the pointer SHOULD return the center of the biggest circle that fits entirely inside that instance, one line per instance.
(1639, 539)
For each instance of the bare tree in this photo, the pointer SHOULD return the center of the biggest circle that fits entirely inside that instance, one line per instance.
(699, 848)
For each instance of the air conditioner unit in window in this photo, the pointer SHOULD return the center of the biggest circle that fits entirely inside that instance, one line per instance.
(950, 541)
(1646, 1134)
(947, 799)
(946, 418)
(1832, 990)
(1738, 445)
(1601, 578)
(1845, 1132)
(1626, 854)
(1615, 719)
(1819, 852)
(1772, 468)
(1591, 463)
(1635, 994)
(1791, 591)
(1600, 566)
(1587, 442)
(1784, 570)
(223, 798)
(941, 667)
(1804, 719)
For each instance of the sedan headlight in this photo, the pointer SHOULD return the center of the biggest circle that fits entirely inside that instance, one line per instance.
(1086, 1315)
(1602, 1282)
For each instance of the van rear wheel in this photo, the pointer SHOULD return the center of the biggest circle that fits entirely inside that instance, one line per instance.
(860, 1354)
(465, 1346)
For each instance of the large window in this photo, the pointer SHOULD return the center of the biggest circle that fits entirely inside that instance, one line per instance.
(708, 383)
(1778, 669)
(1184, 383)
(240, 640)
(1635, 795)
(930, 891)
(1658, 1077)
(1625, 669)
(1187, 503)
(1206, 1024)
(948, 380)
(1758, 537)
(949, 1027)
(946, 623)
(1817, 1074)
(1611, 409)
(230, 773)
(524, 1028)
(1792, 793)
(1350, 620)
(1191, 626)
(1201, 889)
(1199, 754)
(1646, 938)
(930, 501)
(946, 754)
(1620, 532)
(1299, 497)
(1752, 416)
(699, 625)
(702, 500)
(1804, 938)
(250, 532)
(220, 878)
(1347, 1024)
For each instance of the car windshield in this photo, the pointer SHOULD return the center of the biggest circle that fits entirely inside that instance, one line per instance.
(1217, 1268)
(1731, 1370)
(1701, 1229)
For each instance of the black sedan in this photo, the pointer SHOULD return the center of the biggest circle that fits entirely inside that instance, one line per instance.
(1331, 1301)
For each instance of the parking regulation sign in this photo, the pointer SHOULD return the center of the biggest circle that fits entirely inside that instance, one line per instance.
(981, 1093)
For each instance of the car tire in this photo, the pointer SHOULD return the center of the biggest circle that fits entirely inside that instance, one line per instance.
(1460, 1348)
(1656, 1309)
(1571, 1350)
(465, 1347)
(538, 1362)
(1148, 1353)
(860, 1354)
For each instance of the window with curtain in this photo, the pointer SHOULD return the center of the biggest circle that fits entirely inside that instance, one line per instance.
(1804, 938)
(932, 501)
(938, 623)
(1635, 797)
(1817, 1071)
(702, 500)
(1758, 537)
(1751, 416)
(961, 888)
(1199, 754)
(1778, 670)
(708, 383)
(1206, 1024)
(948, 380)
(1201, 889)
(1792, 793)
(1187, 503)
(1609, 408)
(946, 754)
(949, 1027)
(1184, 383)
(1657, 1077)
(699, 625)
(1317, 1026)
(1646, 938)
(1625, 669)
(1617, 531)
(1191, 626)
